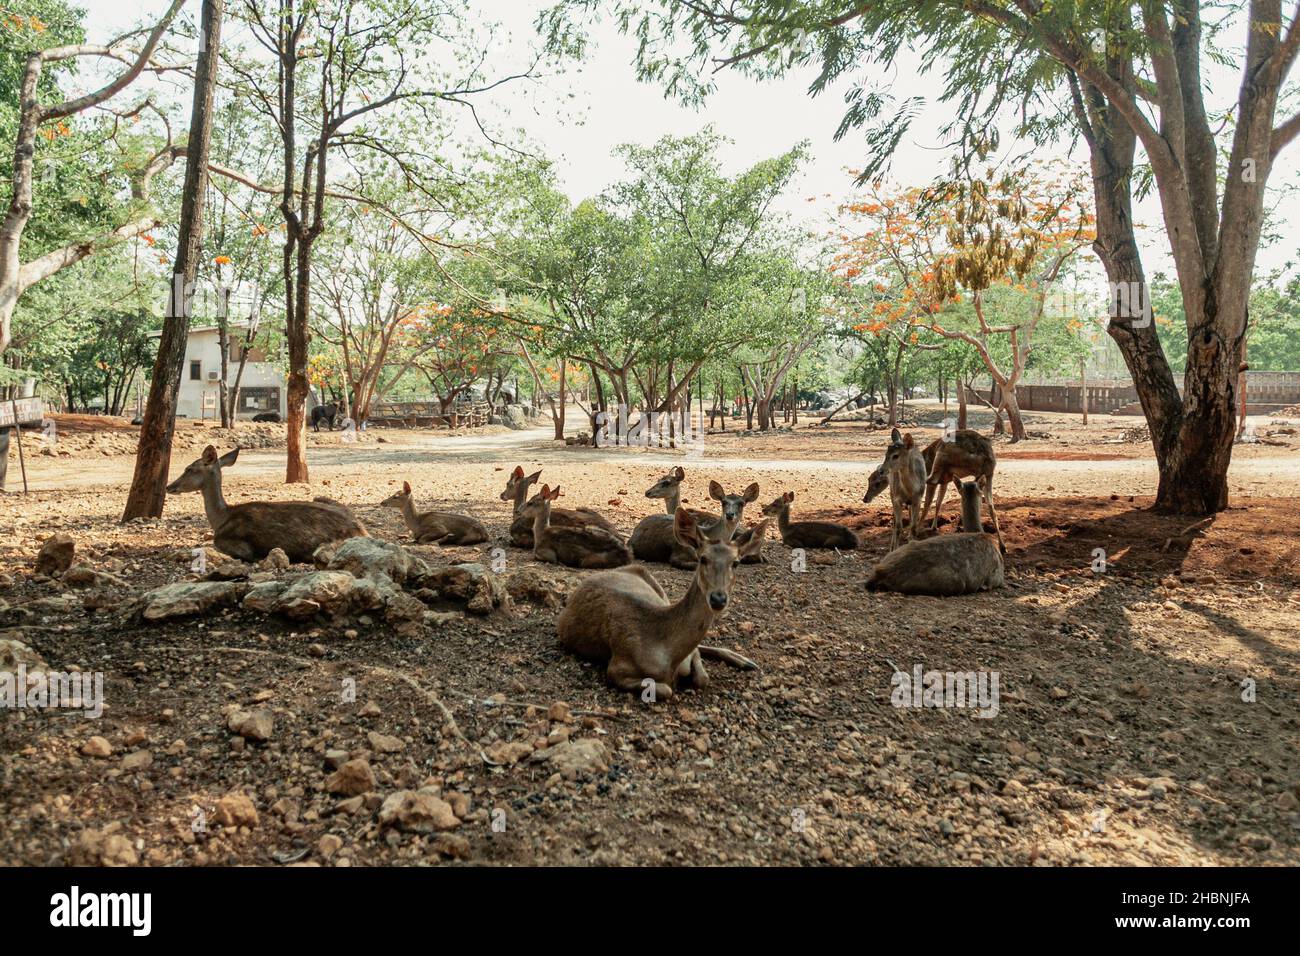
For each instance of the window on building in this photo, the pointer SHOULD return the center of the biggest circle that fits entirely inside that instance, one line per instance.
(196, 370)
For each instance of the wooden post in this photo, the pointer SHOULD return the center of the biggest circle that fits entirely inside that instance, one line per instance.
(22, 463)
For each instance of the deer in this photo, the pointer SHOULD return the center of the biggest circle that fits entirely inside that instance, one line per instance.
(653, 539)
(250, 530)
(968, 454)
(625, 620)
(435, 527)
(577, 546)
(945, 565)
(808, 534)
(904, 472)
(521, 528)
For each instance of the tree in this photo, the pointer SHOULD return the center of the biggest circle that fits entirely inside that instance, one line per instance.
(1116, 75)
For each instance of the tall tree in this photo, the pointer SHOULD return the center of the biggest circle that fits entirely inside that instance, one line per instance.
(154, 451)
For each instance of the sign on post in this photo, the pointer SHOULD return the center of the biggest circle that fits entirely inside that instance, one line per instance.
(22, 411)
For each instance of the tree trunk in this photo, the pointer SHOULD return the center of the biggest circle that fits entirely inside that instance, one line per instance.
(559, 412)
(298, 385)
(961, 402)
(1014, 420)
(154, 450)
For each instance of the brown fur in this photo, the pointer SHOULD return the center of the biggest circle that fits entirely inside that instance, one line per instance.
(946, 565)
(521, 528)
(903, 471)
(249, 531)
(577, 547)
(808, 534)
(623, 618)
(969, 454)
(653, 539)
(436, 527)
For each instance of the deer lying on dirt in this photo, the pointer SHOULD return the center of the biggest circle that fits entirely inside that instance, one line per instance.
(624, 619)
(968, 454)
(577, 546)
(435, 527)
(808, 534)
(250, 530)
(904, 472)
(654, 539)
(521, 529)
(945, 565)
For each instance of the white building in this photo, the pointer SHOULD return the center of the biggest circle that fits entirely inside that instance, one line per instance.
(261, 387)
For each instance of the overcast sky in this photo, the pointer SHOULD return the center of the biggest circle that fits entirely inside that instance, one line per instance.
(762, 119)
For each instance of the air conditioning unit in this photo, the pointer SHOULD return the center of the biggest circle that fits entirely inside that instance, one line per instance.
(213, 376)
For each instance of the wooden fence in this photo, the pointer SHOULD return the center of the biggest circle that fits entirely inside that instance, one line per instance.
(430, 415)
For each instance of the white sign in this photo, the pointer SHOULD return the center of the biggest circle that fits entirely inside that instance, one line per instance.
(28, 411)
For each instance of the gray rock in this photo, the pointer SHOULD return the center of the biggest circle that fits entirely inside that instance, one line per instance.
(187, 598)
(55, 555)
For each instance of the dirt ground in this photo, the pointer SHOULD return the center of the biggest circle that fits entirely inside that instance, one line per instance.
(1149, 711)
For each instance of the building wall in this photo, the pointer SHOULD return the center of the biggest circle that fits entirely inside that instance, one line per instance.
(203, 347)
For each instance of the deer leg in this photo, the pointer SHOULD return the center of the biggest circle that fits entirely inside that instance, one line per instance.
(938, 505)
(993, 513)
(727, 655)
(693, 669)
(898, 520)
(626, 676)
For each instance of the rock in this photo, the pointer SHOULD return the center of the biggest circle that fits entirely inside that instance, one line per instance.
(256, 724)
(508, 752)
(97, 747)
(369, 558)
(384, 744)
(14, 652)
(235, 809)
(418, 811)
(55, 555)
(578, 758)
(328, 845)
(352, 779)
(477, 588)
(451, 845)
(104, 847)
(275, 560)
(187, 598)
(229, 571)
(320, 592)
(560, 711)
(515, 417)
(537, 587)
(335, 758)
(265, 596)
(137, 760)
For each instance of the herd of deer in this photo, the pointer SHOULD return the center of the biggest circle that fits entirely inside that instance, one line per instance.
(622, 617)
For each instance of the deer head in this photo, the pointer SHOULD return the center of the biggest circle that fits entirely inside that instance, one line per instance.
(397, 499)
(201, 469)
(516, 481)
(777, 505)
(716, 557)
(877, 483)
(665, 486)
(732, 505)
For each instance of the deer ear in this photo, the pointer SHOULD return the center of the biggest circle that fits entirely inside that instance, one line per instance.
(679, 474)
(788, 496)
(756, 540)
(751, 493)
(533, 477)
(209, 455)
(229, 457)
(895, 437)
(716, 491)
(685, 528)
(406, 487)
(518, 472)
(907, 440)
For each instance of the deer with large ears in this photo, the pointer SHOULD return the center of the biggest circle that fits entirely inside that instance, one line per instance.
(808, 534)
(654, 539)
(578, 547)
(250, 530)
(624, 619)
(435, 527)
(904, 472)
(521, 528)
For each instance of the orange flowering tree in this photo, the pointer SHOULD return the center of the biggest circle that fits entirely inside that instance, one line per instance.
(971, 260)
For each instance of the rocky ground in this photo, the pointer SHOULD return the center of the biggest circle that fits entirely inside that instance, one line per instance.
(386, 707)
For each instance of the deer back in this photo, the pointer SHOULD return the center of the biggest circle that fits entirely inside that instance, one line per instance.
(944, 566)
(296, 527)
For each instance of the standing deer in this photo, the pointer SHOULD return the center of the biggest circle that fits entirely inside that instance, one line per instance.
(808, 534)
(948, 564)
(576, 546)
(904, 471)
(250, 530)
(968, 454)
(435, 527)
(521, 528)
(624, 619)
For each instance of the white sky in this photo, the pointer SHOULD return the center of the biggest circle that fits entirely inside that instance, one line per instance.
(763, 119)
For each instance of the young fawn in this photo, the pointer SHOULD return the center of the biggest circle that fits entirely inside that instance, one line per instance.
(578, 546)
(521, 528)
(435, 527)
(625, 620)
(808, 534)
(968, 454)
(249, 531)
(903, 471)
(945, 565)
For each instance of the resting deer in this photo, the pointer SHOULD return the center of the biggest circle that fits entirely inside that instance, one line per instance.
(250, 530)
(435, 527)
(577, 547)
(808, 534)
(968, 454)
(947, 564)
(624, 619)
(903, 471)
(521, 528)
(653, 539)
